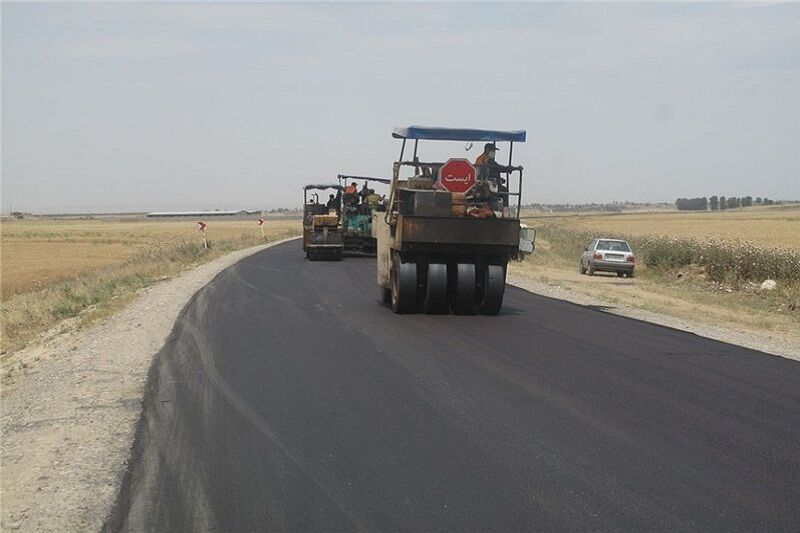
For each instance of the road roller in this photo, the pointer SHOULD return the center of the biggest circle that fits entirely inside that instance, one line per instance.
(322, 227)
(450, 228)
(357, 214)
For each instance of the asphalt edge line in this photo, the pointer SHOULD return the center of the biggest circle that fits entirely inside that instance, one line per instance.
(114, 518)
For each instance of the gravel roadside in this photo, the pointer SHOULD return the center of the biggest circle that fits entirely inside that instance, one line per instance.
(774, 344)
(68, 420)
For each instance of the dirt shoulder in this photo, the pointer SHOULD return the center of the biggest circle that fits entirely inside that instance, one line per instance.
(69, 411)
(646, 300)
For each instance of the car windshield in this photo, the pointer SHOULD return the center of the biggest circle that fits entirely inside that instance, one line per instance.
(613, 246)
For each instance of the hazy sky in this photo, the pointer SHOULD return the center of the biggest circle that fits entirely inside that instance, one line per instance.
(178, 106)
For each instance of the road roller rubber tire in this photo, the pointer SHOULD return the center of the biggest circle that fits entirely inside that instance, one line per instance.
(494, 285)
(404, 287)
(436, 289)
(463, 293)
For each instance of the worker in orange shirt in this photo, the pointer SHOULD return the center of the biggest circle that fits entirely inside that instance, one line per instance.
(350, 197)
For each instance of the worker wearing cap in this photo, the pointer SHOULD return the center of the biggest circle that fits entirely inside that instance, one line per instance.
(490, 169)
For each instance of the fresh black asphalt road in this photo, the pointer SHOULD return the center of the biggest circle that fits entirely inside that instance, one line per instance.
(288, 398)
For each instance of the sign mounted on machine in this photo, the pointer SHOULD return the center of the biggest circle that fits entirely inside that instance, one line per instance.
(457, 175)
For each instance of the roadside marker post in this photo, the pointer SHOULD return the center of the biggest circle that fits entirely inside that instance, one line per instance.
(201, 227)
(261, 227)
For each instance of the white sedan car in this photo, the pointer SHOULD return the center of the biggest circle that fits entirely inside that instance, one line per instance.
(608, 255)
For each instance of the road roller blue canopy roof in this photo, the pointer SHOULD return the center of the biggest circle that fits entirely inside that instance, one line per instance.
(458, 134)
(322, 187)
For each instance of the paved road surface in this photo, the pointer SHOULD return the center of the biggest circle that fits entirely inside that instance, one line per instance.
(288, 398)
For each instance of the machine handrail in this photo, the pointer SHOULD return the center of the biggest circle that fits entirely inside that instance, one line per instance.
(346, 177)
(392, 188)
(395, 175)
(420, 164)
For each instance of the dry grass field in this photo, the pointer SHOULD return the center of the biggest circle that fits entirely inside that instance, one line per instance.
(702, 266)
(773, 226)
(39, 252)
(55, 269)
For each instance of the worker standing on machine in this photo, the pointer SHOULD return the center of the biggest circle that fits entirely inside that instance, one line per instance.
(363, 193)
(333, 202)
(490, 170)
(351, 196)
(373, 200)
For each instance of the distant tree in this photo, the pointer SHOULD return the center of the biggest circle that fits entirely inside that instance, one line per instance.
(747, 201)
(692, 204)
(759, 200)
(723, 203)
(714, 203)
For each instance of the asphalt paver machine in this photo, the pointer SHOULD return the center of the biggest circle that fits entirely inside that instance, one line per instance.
(448, 233)
(322, 228)
(357, 215)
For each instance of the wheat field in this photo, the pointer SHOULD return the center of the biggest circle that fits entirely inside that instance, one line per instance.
(704, 266)
(773, 226)
(55, 269)
(39, 252)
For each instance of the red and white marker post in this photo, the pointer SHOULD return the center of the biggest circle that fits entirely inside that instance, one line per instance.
(261, 227)
(201, 227)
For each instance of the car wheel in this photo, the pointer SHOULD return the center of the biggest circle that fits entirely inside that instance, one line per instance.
(630, 274)
(580, 268)
(590, 271)
(620, 274)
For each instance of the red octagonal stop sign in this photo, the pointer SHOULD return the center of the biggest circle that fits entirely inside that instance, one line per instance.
(457, 175)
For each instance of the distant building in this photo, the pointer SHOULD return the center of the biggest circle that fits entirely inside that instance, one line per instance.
(202, 214)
